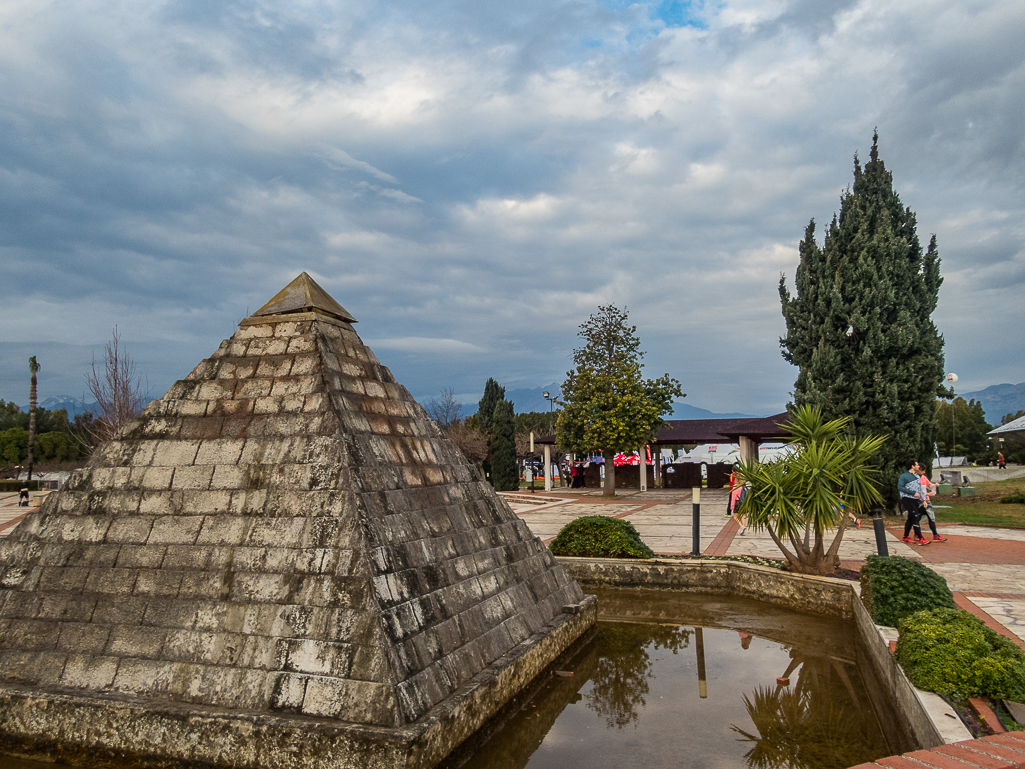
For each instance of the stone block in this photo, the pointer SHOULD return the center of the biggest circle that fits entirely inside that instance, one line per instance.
(301, 344)
(206, 585)
(56, 579)
(219, 452)
(175, 453)
(175, 530)
(253, 332)
(135, 641)
(158, 582)
(202, 428)
(141, 556)
(111, 581)
(280, 532)
(313, 657)
(152, 677)
(278, 365)
(89, 672)
(359, 701)
(260, 588)
(288, 692)
(192, 477)
(119, 610)
(158, 502)
(267, 347)
(31, 635)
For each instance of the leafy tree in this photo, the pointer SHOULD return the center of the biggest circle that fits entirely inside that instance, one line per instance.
(860, 327)
(1003, 420)
(961, 428)
(806, 493)
(504, 474)
(33, 368)
(13, 445)
(608, 406)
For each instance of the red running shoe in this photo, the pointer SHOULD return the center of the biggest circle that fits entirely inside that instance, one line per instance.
(938, 538)
(908, 540)
(922, 541)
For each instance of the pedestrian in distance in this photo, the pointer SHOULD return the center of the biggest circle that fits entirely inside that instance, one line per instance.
(23, 494)
(1001, 464)
(910, 489)
(929, 491)
(734, 476)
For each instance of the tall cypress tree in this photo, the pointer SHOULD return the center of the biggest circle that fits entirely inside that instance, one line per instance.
(860, 328)
(493, 395)
(504, 474)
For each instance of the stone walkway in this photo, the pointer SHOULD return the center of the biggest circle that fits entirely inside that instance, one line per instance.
(982, 565)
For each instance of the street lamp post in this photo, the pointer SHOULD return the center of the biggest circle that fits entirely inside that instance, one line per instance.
(952, 378)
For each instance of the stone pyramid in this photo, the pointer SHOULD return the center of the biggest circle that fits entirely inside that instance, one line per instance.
(284, 532)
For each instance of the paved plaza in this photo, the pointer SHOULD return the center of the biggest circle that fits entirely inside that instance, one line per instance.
(982, 565)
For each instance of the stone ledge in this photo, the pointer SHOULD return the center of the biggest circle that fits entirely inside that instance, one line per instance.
(126, 731)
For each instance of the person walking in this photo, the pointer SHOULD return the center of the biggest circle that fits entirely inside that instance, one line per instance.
(929, 490)
(910, 489)
(729, 498)
(1001, 464)
(23, 494)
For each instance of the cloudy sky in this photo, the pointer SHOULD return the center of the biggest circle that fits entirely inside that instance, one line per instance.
(472, 179)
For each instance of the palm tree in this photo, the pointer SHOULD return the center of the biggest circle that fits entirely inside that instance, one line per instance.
(34, 368)
(804, 494)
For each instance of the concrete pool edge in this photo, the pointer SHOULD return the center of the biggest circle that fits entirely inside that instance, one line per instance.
(930, 720)
(69, 726)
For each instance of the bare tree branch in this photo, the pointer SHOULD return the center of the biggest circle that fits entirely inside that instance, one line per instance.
(444, 410)
(117, 390)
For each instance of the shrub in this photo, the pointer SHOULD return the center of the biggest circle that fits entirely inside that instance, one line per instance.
(952, 652)
(1016, 497)
(599, 536)
(893, 588)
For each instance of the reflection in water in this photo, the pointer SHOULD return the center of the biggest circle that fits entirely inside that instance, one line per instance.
(623, 667)
(633, 675)
(807, 726)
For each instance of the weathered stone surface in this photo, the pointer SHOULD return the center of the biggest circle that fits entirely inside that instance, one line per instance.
(284, 532)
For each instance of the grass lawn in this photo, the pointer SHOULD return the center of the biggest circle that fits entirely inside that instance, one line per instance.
(985, 507)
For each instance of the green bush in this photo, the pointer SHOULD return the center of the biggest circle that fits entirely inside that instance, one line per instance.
(1016, 497)
(12, 485)
(893, 588)
(952, 652)
(599, 536)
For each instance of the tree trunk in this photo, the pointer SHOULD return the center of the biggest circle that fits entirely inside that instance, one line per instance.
(610, 474)
(32, 418)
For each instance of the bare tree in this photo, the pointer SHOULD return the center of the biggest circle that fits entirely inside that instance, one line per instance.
(117, 390)
(470, 440)
(444, 410)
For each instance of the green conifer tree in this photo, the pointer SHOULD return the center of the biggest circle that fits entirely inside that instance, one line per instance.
(504, 475)
(493, 394)
(860, 327)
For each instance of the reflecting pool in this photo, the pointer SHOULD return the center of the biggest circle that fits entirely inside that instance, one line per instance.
(692, 681)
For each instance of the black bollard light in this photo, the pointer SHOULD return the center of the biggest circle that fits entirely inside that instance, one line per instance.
(880, 529)
(696, 521)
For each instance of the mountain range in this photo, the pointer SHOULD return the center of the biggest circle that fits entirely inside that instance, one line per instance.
(999, 400)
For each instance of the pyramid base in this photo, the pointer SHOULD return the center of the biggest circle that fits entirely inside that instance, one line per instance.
(82, 728)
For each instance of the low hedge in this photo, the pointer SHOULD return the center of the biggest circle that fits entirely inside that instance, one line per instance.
(12, 485)
(1016, 497)
(599, 536)
(893, 588)
(952, 652)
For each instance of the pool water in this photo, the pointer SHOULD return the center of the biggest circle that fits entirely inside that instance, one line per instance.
(697, 687)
